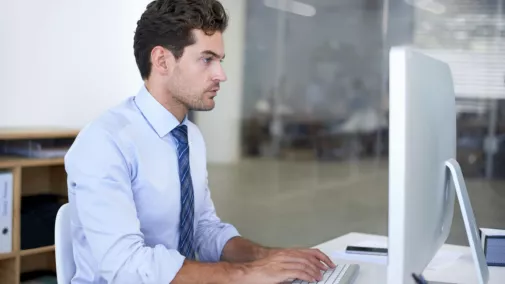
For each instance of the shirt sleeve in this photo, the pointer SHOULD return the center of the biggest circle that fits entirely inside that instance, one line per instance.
(99, 180)
(211, 234)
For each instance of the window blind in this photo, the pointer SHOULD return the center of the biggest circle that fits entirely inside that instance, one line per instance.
(470, 37)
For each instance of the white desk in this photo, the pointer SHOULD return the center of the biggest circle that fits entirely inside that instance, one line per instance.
(461, 272)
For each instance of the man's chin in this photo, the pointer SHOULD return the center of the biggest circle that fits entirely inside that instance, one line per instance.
(207, 107)
(204, 104)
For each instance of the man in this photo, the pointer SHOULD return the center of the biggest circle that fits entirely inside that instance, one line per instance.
(141, 208)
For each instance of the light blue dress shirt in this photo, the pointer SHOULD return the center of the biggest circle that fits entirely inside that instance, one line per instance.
(124, 195)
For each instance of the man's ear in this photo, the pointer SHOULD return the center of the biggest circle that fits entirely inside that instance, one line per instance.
(163, 61)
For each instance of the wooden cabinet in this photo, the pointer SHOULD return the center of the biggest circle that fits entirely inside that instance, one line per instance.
(31, 176)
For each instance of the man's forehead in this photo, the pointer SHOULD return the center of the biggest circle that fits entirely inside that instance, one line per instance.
(212, 44)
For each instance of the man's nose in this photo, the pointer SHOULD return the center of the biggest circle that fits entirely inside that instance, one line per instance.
(220, 74)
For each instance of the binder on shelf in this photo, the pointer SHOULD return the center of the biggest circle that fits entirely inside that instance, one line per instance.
(6, 200)
(41, 148)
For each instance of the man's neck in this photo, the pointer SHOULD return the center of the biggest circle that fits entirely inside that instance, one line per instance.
(174, 106)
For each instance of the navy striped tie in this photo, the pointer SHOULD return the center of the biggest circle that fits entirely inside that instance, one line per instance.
(186, 241)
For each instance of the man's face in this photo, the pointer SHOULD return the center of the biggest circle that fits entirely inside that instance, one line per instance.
(195, 79)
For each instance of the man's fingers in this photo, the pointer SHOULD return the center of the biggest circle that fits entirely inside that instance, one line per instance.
(299, 274)
(319, 264)
(305, 263)
(322, 257)
(314, 273)
(315, 261)
(314, 258)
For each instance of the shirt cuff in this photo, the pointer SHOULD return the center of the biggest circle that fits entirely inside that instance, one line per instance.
(227, 234)
(170, 266)
(178, 261)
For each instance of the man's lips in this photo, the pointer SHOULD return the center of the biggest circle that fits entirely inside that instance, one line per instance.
(213, 93)
(214, 88)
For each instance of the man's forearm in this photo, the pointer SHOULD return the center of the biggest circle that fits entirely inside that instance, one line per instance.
(230, 270)
(193, 272)
(239, 249)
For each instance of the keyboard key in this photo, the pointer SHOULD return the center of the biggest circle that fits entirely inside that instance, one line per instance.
(334, 275)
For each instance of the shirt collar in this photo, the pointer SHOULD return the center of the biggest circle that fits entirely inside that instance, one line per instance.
(161, 120)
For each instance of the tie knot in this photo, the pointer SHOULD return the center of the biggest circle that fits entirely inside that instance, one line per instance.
(181, 134)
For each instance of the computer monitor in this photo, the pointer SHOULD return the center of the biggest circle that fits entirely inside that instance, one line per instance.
(424, 177)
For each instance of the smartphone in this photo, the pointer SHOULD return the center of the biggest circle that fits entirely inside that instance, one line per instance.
(367, 250)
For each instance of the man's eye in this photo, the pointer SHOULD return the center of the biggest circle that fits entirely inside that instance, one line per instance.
(207, 59)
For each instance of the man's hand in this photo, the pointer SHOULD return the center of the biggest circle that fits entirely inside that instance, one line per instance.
(286, 264)
(257, 264)
(308, 253)
(270, 266)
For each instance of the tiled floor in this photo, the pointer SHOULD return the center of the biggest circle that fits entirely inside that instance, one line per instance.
(293, 203)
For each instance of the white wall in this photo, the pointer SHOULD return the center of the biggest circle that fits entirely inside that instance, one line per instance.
(221, 126)
(64, 62)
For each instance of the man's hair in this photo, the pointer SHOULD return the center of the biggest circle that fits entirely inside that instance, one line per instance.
(169, 23)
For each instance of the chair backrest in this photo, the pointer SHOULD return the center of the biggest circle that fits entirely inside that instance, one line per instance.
(65, 266)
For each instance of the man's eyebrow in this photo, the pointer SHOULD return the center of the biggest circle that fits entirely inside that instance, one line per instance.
(212, 53)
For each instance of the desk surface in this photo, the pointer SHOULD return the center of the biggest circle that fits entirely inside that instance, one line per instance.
(461, 272)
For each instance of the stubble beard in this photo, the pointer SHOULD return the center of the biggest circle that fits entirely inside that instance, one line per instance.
(197, 104)
(193, 102)
(189, 98)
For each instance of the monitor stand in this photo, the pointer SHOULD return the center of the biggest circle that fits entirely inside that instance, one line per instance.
(470, 225)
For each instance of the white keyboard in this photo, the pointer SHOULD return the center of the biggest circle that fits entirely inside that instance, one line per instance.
(342, 274)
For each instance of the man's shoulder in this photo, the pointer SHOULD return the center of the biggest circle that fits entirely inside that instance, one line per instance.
(100, 145)
(106, 129)
(117, 117)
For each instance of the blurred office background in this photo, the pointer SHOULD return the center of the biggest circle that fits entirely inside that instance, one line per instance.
(298, 141)
(313, 121)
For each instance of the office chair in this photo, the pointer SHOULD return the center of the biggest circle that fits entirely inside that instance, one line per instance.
(65, 266)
